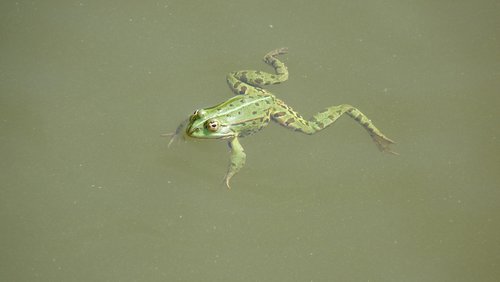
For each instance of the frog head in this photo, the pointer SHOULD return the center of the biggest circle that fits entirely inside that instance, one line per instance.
(206, 125)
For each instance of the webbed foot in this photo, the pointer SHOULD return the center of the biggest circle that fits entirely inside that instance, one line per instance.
(383, 143)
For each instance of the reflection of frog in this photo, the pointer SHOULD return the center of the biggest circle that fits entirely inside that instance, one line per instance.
(253, 107)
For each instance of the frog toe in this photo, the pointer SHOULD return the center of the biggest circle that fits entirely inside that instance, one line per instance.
(226, 181)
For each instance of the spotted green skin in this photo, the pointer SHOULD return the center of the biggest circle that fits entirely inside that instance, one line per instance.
(254, 107)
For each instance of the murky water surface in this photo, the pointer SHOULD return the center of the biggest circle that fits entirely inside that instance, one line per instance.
(90, 191)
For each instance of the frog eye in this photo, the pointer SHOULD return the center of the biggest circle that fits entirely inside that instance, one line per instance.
(212, 125)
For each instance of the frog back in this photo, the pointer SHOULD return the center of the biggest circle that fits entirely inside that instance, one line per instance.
(246, 114)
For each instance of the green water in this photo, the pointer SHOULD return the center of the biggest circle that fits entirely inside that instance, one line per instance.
(90, 192)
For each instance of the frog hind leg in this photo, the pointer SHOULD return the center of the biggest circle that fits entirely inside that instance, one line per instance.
(238, 158)
(250, 81)
(287, 117)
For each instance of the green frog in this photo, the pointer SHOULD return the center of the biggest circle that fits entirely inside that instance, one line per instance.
(253, 107)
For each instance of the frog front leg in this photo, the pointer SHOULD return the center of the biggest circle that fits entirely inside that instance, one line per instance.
(178, 132)
(287, 117)
(237, 159)
(249, 82)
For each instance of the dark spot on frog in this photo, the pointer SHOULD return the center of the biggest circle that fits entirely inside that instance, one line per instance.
(279, 114)
(254, 112)
(257, 104)
(290, 120)
(244, 76)
(243, 89)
